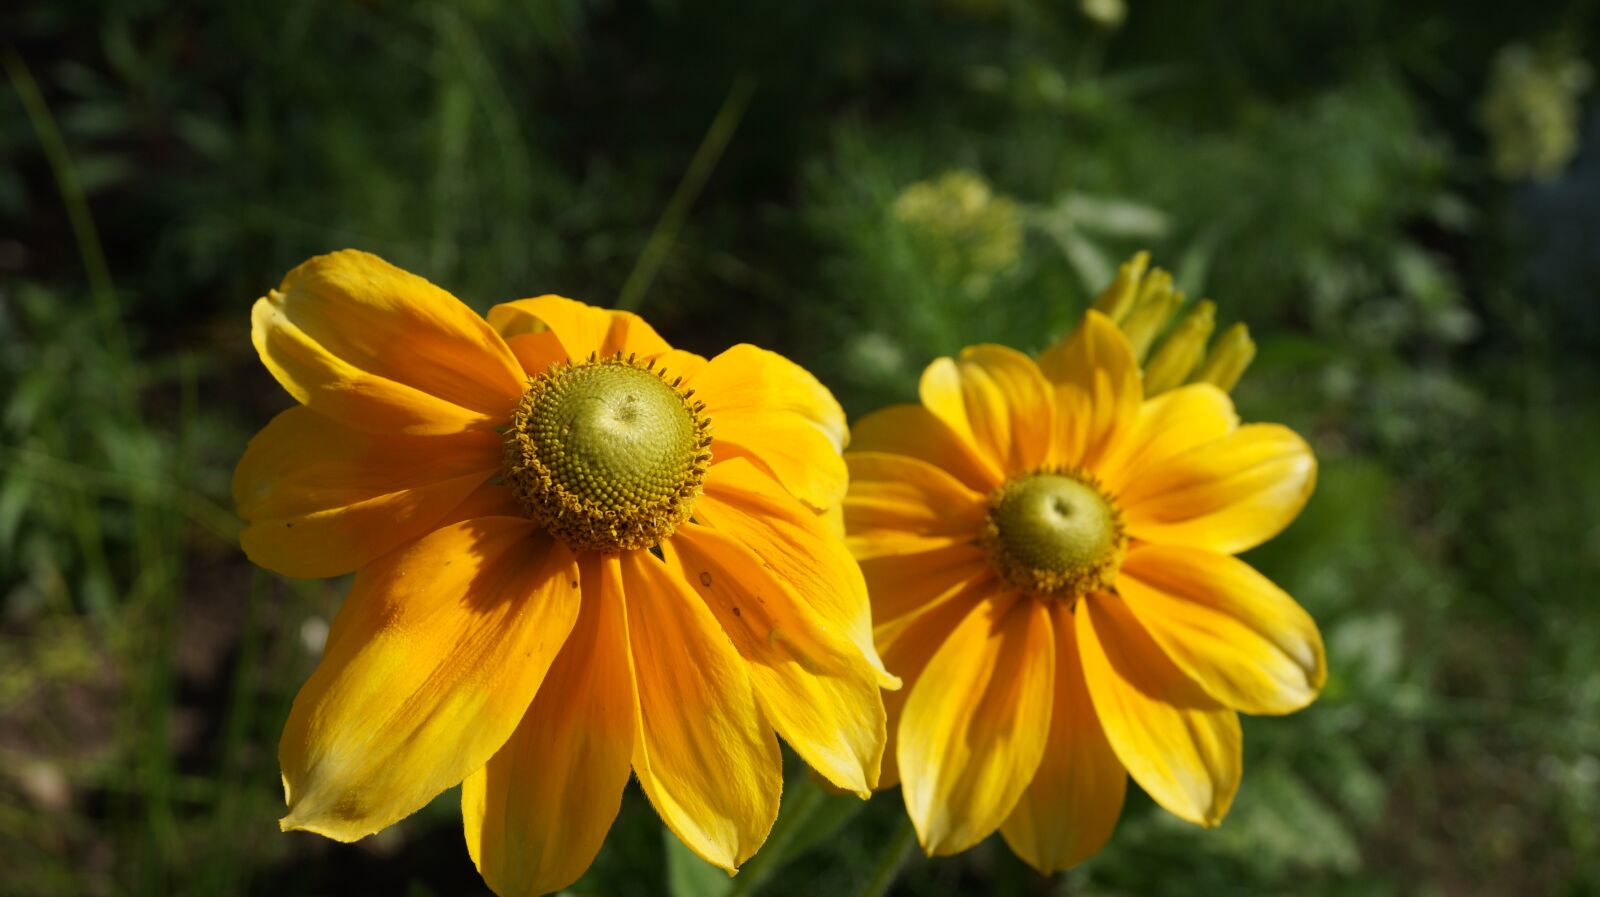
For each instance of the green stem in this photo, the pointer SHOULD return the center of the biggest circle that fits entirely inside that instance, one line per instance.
(76, 204)
(694, 180)
(900, 845)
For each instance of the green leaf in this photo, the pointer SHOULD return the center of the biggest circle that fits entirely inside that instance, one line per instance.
(1113, 217)
(1280, 824)
(810, 814)
(688, 875)
(1094, 270)
(826, 814)
(1369, 648)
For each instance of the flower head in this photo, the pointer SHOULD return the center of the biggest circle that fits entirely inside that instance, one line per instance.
(1532, 110)
(1105, 13)
(1050, 552)
(577, 552)
(971, 235)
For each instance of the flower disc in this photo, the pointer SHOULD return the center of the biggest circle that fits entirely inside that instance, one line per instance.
(1054, 534)
(607, 454)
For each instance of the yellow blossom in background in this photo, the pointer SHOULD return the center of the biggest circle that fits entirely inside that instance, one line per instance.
(1050, 551)
(577, 552)
(1531, 111)
(1105, 13)
(971, 233)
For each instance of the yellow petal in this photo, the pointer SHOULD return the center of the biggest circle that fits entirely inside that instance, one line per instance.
(833, 520)
(1227, 496)
(742, 502)
(1098, 389)
(887, 543)
(813, 683)
(974, 726)
(1178, 743)
(788, 450)
(907, 647)
(997, 398)
(746, 378)
(537, 813)
(1119, 297)
(321, 499)
(1181, 350)
(1157, 304)
(1168, 425)
(582, 328)
(1070, 808)
(1246, 642)
(704, 754)
(902, 584)
(429, 667)
(768, 409)
(679, 363)
(1228, 359)
(915, 432)
(900, 494)
(381, 349)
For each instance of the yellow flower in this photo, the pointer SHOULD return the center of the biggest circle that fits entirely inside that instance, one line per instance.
(1532, 110)
(1050, 556)
(1105, 13)
(577, 551)
(971, 234)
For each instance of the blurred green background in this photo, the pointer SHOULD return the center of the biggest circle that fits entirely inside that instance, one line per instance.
(1402, 200)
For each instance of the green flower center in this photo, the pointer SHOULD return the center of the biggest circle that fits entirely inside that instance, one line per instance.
(1054, 533)
(607, 454)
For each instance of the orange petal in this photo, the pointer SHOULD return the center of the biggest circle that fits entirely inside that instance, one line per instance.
(813, 683)
(1227, 496)
(1097, 387)
(582, 328)
(742, 502)
(995, 397)
(974, 726)
(428, 669)
(1246, 642)
(490, 499)
(1169, 425)
(897, 494)
(768, 409)
(916, 432)
(381, 349)
(538, 812)
(1070, 808)
(1178, 743)
(320, 499)
(704, 754)
(536, 352)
